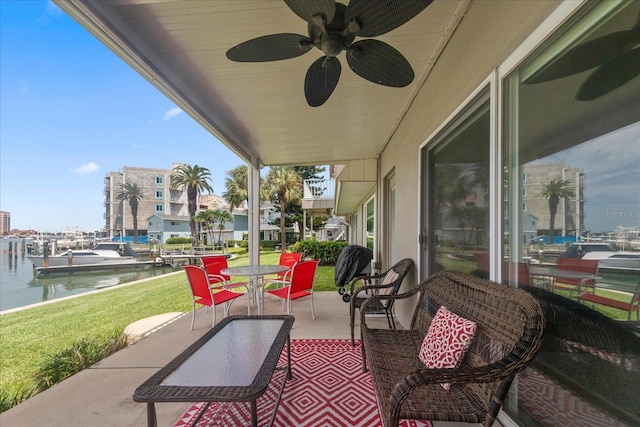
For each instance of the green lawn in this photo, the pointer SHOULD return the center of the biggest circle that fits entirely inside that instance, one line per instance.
(611, 312)
(28, 336)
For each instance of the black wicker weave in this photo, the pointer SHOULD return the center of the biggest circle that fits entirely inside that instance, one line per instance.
(510, 329)
(374, 284)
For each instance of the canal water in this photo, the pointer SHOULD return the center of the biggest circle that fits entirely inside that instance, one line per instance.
(19, 285)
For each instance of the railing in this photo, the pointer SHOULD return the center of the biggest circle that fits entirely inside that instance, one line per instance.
(319, 188)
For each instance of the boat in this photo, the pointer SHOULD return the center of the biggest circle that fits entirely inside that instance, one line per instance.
(606, 255)
(106, 253)
(72, 238)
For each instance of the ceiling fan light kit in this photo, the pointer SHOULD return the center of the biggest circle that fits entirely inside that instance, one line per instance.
(332, 28)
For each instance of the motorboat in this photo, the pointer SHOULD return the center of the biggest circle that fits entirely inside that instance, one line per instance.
(102, 253)
(607, 256)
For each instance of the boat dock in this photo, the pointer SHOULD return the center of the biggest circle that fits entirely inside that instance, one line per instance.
(98, 267)
(182, 258)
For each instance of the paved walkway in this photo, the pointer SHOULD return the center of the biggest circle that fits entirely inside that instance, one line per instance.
(102, 394)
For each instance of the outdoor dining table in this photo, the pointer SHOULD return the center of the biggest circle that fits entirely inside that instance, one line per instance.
(553, 272)
(256, 275)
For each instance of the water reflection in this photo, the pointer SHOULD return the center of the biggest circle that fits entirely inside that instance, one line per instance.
(20, 286)
(57, 285)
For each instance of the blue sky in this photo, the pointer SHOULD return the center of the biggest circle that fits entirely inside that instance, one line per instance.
(612, 181)
(71, 111)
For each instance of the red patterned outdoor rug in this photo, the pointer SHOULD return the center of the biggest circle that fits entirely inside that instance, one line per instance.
(328, 389)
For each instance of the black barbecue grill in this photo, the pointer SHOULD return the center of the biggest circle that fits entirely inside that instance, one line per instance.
(354, 263)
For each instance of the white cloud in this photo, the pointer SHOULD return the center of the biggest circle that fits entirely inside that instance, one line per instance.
(52, 9)
(172, 113)
(87, 168)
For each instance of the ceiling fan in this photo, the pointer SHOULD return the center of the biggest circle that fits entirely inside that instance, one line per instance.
(617, 56)
(332, 28)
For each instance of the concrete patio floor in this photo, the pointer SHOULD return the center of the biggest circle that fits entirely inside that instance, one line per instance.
(102, 394)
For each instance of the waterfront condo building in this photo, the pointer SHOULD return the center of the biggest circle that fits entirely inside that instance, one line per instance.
(5, 223)
(158, 199)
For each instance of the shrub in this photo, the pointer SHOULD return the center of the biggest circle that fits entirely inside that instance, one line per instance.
(240, 243)
(326, 252)
(178, 240)
(269, 244)
(82, 354)
(10, 398)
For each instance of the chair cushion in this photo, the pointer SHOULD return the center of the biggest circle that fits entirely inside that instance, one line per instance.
(447, 341)
(388, 279)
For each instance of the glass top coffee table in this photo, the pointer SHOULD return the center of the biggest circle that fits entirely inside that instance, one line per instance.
(233, 362)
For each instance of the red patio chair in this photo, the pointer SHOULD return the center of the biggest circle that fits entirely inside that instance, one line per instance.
(213, 264)
(204, 294)
(288, 259)
(299, 285)
(576, 264)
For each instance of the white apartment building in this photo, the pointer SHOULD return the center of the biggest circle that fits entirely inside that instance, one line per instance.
(159, 199)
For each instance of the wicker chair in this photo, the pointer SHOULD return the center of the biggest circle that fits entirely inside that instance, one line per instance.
(510, 328)
(384, 283)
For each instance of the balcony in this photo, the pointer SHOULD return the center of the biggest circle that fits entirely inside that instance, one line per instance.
(318, 196)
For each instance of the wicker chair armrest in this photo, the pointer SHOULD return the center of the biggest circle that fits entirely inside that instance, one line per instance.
(356, 279)
(404, 295)
(370, 287)
(422, 377)
(466, 374)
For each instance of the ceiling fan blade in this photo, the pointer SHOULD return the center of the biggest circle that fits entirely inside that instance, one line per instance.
(273, 47)
(379, 63)
(322, 78)
(587, 56)
(377, 17)
(306, 9)
(610, 76)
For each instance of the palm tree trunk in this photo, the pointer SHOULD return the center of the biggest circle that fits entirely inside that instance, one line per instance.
(283, 237)
(552, 221)
(135, 226)
(192, 197)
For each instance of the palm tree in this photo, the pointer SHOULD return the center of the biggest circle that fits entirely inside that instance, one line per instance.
(134, 194)
(206, 219)
(221, 216)
(553, 191)
(283, 185)
(194, 179)
(237, 184)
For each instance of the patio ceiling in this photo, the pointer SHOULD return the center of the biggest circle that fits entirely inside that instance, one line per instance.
(259, 109)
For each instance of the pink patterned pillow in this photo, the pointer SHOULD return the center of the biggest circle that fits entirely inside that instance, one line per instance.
(447, 341)
(388, 279)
